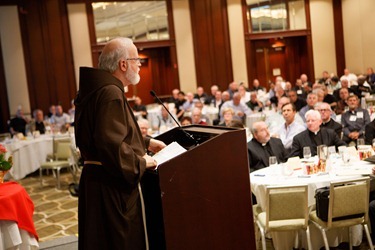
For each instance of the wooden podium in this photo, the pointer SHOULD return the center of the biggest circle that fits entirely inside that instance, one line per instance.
(201, 199)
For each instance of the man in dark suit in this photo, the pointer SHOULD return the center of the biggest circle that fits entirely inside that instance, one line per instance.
(262, 146)
(327, 122)
(314, 136)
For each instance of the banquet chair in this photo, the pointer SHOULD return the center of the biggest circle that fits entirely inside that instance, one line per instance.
(56, 140)
(62, 159)
(348, 206)
(286, 210)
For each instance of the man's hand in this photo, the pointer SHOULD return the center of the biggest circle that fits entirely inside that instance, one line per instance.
(156, 145)
(353, 135)
(150, 162)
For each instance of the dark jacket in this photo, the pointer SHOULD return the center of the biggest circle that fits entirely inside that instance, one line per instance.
(305, 139)
(259, 157)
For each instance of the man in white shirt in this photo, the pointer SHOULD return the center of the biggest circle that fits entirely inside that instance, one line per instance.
(350, 77)
(290, 128)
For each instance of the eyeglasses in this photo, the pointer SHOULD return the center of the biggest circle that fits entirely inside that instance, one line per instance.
(134, 59)
(323, 110)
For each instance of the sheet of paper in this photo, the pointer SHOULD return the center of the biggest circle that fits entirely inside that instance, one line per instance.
(169, 152)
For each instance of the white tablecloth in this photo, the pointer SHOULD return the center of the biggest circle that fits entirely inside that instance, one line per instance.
(29, 154)
(13, 238)
(272, 176)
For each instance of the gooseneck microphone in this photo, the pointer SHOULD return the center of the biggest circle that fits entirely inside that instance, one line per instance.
(178, 124)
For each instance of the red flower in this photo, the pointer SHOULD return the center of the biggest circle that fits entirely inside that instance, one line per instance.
(3, 149)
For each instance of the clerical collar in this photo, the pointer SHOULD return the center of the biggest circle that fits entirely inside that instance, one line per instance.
(264, 144)
(315, 133)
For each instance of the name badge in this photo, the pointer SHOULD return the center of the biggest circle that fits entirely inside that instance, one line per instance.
(352, 118)
(360, 115)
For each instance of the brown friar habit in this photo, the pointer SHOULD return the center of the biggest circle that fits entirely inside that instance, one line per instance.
(109, 209)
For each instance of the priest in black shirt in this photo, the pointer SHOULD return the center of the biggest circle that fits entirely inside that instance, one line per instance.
(262, 146)
(314, 136)
(327, 122)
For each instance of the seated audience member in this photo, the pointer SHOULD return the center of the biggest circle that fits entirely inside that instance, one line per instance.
(235, 124)
(179, 105)
(262, 146)
(60, 120)
(333, 85)
(144, 127)
(200, 105)
(245, 95)
(165, 121)
(300, 89)
(254, 103)
(354, 120)
(362, 89)
(344, 84)
(196, 116)
(18, 123)
(279, 92)
(325, 113)
(139, 107)
(275, 119)
(174, 97)
(210, 98)
(186, 120)
(189, 103)
(217, 101)
(312, 99)
(256, 86)
(227, 117)
(325, 78)
(296, 100)
(72, 112)
(341, 103)
(200, 95)
(370, 132)
(314, 136)
(370, 76)
(51, 112)
(350, 77)
(240, 109)
(38, 123)
(232, 88)
(306, 83)
(290, 127)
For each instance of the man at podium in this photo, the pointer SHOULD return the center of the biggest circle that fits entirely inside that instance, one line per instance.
(113, 149)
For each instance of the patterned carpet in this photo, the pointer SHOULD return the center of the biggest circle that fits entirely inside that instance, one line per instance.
(56, 211)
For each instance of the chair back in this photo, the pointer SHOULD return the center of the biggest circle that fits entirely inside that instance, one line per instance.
(287, 203)
(349, 199)
(5, 136)
(63, 150)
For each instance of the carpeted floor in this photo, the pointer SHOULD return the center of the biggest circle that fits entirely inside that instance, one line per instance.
(56, 211)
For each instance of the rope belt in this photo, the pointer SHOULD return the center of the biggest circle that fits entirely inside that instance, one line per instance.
(92, 163)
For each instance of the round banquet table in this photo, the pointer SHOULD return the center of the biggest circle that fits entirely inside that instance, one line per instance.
(17, 230)
(275, 175)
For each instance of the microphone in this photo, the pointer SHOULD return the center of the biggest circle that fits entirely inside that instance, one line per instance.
(178, 124)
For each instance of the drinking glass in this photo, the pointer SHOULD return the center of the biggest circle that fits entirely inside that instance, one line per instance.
(360, 141)
(272, 160)
(306, 152)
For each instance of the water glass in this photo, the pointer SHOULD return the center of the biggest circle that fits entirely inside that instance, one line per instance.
(306, 152)
(272, 160)
(360, 141)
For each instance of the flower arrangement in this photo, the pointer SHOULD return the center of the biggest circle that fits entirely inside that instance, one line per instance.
(4, 163)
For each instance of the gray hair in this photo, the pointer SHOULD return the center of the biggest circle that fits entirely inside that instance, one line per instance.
(109, 58)
(314, 113)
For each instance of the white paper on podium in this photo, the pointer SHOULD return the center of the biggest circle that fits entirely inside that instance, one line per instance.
(169, 152)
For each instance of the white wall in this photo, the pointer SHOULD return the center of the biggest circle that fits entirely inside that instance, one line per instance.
(237, 41)
(79, 33)
(184, 45)
(359, 35)
(13, 58)
(323, 39)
